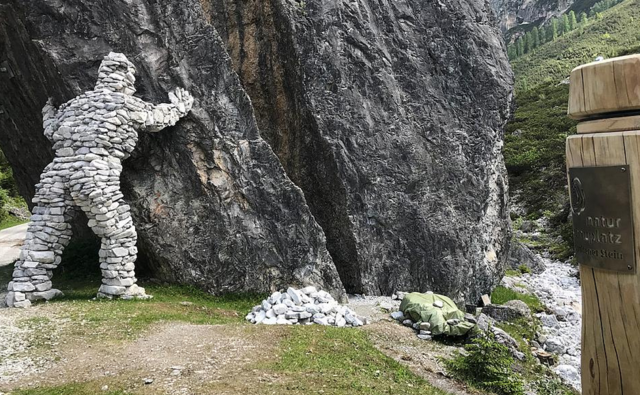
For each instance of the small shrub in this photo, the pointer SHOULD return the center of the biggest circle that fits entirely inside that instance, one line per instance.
(4, 214)
(502, 295)
(487, 365)
(511, 273)
(524, 269)
(551, 387)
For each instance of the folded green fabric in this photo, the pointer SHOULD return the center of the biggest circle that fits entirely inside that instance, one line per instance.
(420, 308)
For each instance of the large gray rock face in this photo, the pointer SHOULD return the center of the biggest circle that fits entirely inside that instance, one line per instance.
(389, 116)
(212, 204)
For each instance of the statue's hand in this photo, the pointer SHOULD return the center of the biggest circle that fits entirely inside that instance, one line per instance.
(182, 100)
(49, 110)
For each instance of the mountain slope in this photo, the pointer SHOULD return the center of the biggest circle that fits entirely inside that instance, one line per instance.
(535, 139)
(513, 13)
(615, 34)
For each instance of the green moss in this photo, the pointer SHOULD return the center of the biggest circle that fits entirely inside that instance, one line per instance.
(502, 295)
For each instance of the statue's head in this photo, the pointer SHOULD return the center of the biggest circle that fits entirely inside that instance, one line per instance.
(116, 74)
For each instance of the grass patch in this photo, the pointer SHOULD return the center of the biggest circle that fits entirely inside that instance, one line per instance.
(341, 361)
(11, 221)
(502, 295)
(524, 269)
(512, 273)
(521, 329)
(79, 278)
(125, 319)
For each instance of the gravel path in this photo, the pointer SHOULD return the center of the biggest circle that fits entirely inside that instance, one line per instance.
(11, 240)
(558, 288)
(401, 344)
(23, 336)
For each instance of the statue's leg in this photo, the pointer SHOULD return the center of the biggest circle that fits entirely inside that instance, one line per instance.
(48, 233)
(120, 253)
(110, 219)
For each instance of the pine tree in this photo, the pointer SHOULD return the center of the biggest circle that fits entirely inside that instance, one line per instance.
(541, 35)
(535, 37)
(528, 42)
(573, 23)
(512, 51)
(554, 29)
(548, 36)
(566, 25)
(583, 18)
(520, 46)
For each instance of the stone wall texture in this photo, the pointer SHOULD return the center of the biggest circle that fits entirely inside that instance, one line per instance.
(335, 143)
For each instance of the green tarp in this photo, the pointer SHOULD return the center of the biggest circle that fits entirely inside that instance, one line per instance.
(419, 307)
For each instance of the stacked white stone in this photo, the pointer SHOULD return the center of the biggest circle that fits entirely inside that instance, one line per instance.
(303, 307)
(91, 135)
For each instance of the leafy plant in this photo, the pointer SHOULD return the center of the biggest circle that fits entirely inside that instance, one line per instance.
(487, 365)
(524, 269)
(502, 295)
(4, 214)
(8, 194)
(551, 387)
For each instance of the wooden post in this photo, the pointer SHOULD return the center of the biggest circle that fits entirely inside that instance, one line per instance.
(605, 98)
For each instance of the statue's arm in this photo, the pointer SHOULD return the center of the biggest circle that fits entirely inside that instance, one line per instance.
(49, 113)
(163, 115)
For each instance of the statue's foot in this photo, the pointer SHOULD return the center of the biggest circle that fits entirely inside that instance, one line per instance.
(17, 299)
(45, 295)
(126, 293)
(24, 299)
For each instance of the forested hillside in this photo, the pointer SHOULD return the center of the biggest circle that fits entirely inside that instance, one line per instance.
(613, 32)
(535, 138)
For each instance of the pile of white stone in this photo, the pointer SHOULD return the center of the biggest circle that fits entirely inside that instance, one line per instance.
(304, 307)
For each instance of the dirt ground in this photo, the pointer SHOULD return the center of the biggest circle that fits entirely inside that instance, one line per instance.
(36, 349)
(170, 358)
(180, 358)
(401, 344)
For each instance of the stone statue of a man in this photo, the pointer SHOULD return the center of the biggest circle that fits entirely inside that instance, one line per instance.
(91, 135)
